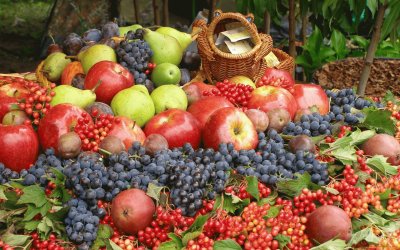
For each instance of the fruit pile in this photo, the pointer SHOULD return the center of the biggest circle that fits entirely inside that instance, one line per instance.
(117, 148)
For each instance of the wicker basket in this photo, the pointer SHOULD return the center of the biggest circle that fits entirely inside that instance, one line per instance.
(218, 65)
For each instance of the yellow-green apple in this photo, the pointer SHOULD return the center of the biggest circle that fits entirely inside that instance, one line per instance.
(267, 98)
(169, 97)
(195, 90)
(15, 117)
(108, 78)
(204, 108)
(177, 126)
(127, 131)
(230, 125)
(70, 71)
(242, 80)
(259, 119)
(58, 121)
(19, 146)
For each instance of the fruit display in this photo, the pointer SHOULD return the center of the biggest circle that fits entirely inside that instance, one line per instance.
(116, 142)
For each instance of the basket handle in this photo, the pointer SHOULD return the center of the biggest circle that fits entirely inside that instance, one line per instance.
(265, 47)
(202, 39)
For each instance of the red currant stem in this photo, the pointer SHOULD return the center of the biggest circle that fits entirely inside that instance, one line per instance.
(96, 86)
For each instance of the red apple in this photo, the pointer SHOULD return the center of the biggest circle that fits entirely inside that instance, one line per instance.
(19, 146)
(311, 97)
(14, 87)
(204, 108)
(177, 126)
(230, 125)
(132, 210)
(127, 131)
(112, 78)
(267, 98)
(70, 71)
(6, 104)
(195, 90)
(59, 120)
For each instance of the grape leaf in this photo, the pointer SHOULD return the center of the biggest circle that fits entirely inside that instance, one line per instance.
(227, 205)
(31, 212)
(379, 120)
(168, 245)
(227, 244)
(176, 240)
(15, 239)
(31, 225)
(379, 164)
(269, 200)
(252, 187)
(358, 137)
(197, 225)
(358, 236)
(2, 194)
(190, 236)
(372, 238)
(283, 240)
(154, 191)
(389, 96)
(331, 245)
(112, 246)
(273, 211)
(331, 190)
(357, 223)
(33, 194)
(347, 155)
(376, 219)
(294, 187)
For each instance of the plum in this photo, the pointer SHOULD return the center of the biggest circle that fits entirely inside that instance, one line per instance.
(301, 142)
(278, 118)
(69, 145)
(154, 143)
(383, 144)
(328, 222)
(111, 144)
(259, 119)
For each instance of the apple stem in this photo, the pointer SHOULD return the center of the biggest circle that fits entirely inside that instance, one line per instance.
(12, 118)
(99, 82)
(71, 57)
(103, 151)
(134, 124)
(52, 38)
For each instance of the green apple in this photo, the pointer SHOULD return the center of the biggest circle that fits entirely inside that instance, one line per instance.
(169, 97)
(166, 73)
(134, 103)
(133, 28)
(95, 54)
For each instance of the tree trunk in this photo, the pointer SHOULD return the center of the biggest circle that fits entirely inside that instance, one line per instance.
(136, 7)
(304, 24)
(165, 13)
(156, 13)
(267, 22)
(376, 34)
(292, 29)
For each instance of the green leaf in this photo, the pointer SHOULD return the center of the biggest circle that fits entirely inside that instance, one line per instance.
(190, 236)
(15, 239)
(273, 211)
(372, 238)
(358, 236)
(227, 244)
(154, 191)
(34, 195)
(338, 42)
(294, 187)
(168, 245)
(269, 200)
(252, 187)
(331, 245)
(45, 208)
(45, 225)
(112, 246)
(228, 204)
(31, 212)
(379, 120)
(359, 223)
(31, 225)
(283, 240)
(176, 240)
(372, 6)
(59, 215)
(379, 164)
(358, 137)
(389, 96)
(103, 234)
(197, 225)
(2, 194)
(376, 219)
(391, 227)
(346, 155)
(331, 190)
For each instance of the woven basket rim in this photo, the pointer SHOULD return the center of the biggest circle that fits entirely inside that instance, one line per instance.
(242, 19)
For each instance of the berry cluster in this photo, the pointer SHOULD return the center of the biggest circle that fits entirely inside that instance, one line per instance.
(200, 243)
(135, 56)
(165, 221)
(5, 246)
(51, 244)
(92, 134)
(238, 94)
(243, 194)
(311, 125)
(6, 174)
